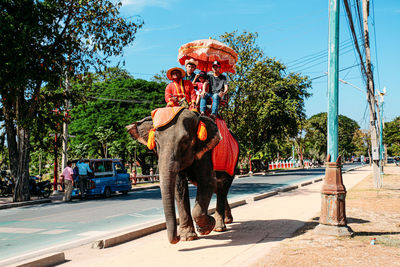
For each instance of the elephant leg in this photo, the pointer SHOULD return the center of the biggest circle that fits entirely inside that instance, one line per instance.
(205, 223)
(186, 227)
(223, 185)
(228, 214)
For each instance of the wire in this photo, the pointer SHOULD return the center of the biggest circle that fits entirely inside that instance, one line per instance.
(316, 57)
(325, 59)
(339, 71)
(316, 54)
(119, 100)
(376, 47)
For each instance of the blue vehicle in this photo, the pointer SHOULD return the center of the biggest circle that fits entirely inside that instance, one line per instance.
(109, 176)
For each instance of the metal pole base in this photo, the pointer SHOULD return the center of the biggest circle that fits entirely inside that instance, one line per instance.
(333, 219)
(333, 230)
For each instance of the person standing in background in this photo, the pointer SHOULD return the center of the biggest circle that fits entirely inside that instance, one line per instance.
(67, 177)
(83, 168)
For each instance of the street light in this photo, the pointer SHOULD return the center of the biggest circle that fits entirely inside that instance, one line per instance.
(381, 150)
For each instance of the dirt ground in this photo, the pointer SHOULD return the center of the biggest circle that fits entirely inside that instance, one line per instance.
(371, 213)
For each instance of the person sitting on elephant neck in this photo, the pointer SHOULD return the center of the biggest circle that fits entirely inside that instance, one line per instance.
(179, 92)
(218, 87)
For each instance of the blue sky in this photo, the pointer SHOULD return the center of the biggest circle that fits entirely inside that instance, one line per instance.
(289, 31)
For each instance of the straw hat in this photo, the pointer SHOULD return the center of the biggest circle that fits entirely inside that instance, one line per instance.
(192, 61)
(169, 76)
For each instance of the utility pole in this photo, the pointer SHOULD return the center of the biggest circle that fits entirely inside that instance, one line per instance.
(371, 100)
(381, 123)
(65, 125)
(333, 219)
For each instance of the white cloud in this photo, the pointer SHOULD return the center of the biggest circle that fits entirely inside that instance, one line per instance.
(139, 5)
(164, 28)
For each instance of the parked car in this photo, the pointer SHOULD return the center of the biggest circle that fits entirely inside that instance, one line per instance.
(109, 176)
(391, 160)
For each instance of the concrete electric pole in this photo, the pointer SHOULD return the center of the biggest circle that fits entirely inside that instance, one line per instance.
(371, 100)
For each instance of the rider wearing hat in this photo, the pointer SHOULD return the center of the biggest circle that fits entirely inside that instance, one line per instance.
(218, 87)
(179, 92)
(190, 66)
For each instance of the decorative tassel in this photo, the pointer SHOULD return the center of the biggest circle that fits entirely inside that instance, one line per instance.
(151, 142)
(202, 131)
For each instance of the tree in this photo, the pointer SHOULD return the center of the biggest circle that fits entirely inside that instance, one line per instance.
(42, 42)
(392, 137)
(161, 77)
(266, 104)
(316, 136)
(360, 141)
(115, 100)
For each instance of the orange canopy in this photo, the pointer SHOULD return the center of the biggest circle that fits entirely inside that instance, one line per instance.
(206, 51)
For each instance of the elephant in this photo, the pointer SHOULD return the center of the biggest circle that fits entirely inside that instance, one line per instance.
(182, 156)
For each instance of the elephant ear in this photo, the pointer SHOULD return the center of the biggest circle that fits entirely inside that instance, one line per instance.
(140, 130)
(213, 138)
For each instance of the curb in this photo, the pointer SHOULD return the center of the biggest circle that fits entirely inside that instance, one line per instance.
(46, 260)
(128, 236)
(25, 203)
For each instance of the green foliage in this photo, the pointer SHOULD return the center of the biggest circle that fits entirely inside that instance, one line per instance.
(316, 136)
(42, 42)
(361, 141)
(114, 102)
(161, 77)
(392, 137)
(266, 104)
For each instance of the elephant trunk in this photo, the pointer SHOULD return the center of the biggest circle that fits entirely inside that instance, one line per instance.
(167, 185)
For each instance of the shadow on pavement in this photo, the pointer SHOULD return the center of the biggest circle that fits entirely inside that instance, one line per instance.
(251, 232)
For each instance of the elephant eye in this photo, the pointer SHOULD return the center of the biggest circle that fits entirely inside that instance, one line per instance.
(185, 143)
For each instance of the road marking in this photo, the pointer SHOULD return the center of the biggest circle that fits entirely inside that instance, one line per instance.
(138, 215)
(55, 232)
(19, 230)
(93, 233)
(112, 216)
(148, 209)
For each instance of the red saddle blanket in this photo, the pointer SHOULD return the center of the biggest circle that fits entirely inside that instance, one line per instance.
(226, 153)
(162, 116)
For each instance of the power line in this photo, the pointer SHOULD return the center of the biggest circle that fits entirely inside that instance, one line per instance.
(376, 47)
(315, 54)
(318, 77)
(119, 100)
(314, 57)
(354, 35)
(325, 59)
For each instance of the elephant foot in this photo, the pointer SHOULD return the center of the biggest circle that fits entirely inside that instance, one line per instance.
(220, 225)
(188, 235)
(205, 230)
(220, 229)
(189, 238)
(228, 220)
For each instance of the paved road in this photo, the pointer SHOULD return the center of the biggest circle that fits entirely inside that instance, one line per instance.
(27, 229)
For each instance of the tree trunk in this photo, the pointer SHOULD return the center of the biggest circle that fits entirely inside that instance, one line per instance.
(18, 150)
(21, 191)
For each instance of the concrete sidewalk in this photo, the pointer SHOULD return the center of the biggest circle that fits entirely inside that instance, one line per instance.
(258, 226)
